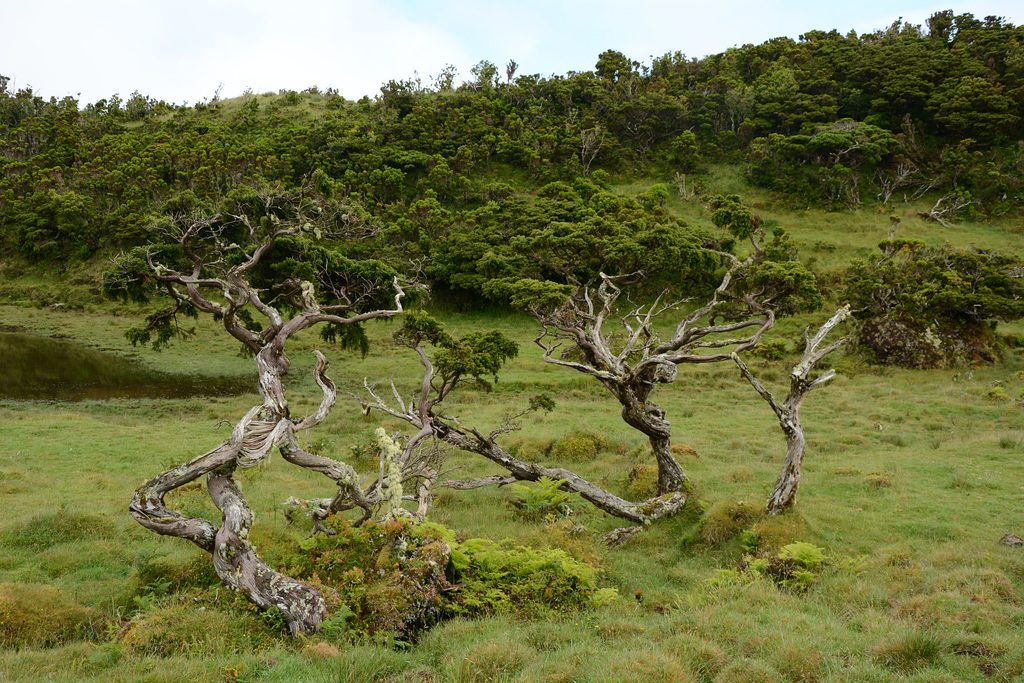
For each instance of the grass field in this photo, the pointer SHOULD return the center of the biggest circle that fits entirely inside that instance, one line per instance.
(911, 479)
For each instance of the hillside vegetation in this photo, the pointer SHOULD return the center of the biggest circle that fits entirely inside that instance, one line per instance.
(884, 171)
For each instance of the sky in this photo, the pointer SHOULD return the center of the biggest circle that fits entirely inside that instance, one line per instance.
(187, 51)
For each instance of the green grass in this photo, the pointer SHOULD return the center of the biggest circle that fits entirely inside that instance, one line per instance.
(910, 480)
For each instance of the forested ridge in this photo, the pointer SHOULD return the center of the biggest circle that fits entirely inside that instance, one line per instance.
(506, 175)
(829, 118)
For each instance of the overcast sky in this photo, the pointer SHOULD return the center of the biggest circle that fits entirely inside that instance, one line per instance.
(182, 51)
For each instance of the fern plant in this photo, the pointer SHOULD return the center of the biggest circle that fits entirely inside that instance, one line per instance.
(541, 500)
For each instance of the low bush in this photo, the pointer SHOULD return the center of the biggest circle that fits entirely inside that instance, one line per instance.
(725, 520)
(395, 579)
(540, 499)
(796, 566)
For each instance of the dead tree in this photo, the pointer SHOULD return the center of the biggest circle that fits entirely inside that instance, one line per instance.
(947, 208)
(591, 140)
(788, 411)
(221, 264)
(629, 364)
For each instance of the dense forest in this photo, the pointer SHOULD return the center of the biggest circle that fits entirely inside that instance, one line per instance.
(832, 119)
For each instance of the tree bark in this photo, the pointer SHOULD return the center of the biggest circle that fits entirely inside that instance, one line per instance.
(788, 412)
(784, 493)
(649, 419)
(238, 565)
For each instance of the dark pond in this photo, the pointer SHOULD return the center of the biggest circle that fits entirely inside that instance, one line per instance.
(37, 368)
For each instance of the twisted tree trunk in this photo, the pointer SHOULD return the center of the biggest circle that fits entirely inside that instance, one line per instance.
(201, 278)
(788, 411)
(784, 493)
(264, 427)
(649, 419)
(238, 565)
(235, 560)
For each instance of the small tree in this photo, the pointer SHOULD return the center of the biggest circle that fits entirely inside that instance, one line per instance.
(268, 265)
(788, 411)
(632, 362)
(933, 306)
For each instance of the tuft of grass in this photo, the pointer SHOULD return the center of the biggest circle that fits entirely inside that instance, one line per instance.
(39, 615)
(749, 671)
(1006, 442)
(705, 658)
(909, 651)
(49, 529)
(208, 630)
(579, 446)
(878, 480)
(684, 450)
(725, 520)
(493, 660)
(642, 481)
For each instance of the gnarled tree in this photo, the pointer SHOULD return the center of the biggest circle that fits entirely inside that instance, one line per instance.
(633, 359)
(788, 411)
(268, 264)
(470, 358)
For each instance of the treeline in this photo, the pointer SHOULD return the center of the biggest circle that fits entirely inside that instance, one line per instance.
(464, 180)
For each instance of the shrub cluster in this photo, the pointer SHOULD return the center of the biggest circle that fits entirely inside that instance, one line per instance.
(393, 580)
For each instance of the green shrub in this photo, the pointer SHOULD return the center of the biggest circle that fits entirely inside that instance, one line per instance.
(804, 555)
(395, 579)
(771, 350)
(508, 576)
(387, 577)
(796, 567)
(997, 394)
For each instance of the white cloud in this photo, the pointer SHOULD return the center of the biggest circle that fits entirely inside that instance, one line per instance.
(182, 50)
